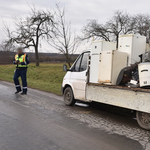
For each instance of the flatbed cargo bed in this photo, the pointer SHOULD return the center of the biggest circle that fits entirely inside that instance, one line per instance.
(131, 98)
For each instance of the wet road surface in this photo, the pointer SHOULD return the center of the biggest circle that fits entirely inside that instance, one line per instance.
(41, 121)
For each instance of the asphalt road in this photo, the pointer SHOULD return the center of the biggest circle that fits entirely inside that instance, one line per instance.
(41, 121)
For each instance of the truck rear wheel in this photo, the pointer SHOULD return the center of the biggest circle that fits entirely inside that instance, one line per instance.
(69, 97)
(143, 120)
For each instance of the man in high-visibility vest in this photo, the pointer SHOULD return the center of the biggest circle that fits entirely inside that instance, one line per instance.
(21, 61)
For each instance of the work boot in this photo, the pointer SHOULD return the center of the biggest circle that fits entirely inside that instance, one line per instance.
(23, 93)
(18, 91)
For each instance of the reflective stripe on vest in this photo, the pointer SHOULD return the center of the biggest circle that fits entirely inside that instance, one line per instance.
(20, 59)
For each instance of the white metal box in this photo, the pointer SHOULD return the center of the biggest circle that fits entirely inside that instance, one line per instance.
(134, 45)
(97, 47)
(110, 65)
(147, 47)
(144, 74)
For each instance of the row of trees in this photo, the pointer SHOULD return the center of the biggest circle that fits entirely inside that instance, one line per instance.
(43, 25)
(120, 23)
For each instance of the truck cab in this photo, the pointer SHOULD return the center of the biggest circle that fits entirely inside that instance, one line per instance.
(74, 82)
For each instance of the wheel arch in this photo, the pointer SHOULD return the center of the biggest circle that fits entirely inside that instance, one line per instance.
(67, 85)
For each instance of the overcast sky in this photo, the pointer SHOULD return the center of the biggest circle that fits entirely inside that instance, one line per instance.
(78, 11)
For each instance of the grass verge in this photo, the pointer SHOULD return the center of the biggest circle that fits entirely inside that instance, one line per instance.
(47, 77)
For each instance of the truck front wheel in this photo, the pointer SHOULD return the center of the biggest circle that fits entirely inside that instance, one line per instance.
(69, 97)
(143, 119)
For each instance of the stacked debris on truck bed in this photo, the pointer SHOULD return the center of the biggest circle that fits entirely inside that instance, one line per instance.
(127, 74)
(128, 66)
(139, 72)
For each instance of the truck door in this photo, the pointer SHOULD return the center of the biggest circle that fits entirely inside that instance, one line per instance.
(78, 76)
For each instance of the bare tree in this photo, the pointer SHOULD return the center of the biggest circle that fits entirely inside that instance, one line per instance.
(65, 40)
(7, 46)
(37, 26)
(94, 29)
(120, 23)
(142, 25)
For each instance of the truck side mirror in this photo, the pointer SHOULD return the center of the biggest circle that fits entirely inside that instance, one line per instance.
(65, 68)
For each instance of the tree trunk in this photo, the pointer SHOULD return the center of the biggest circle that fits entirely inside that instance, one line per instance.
(69, 64)
(36, 56)
(68, 60)
(117, 41)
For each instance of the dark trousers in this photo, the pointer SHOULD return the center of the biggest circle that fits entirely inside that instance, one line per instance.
(23, 74)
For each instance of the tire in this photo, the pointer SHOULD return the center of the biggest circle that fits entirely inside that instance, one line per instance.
(143, 120)
(69, 97)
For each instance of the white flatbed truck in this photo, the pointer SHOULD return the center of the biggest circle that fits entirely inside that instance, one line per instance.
(76, 86)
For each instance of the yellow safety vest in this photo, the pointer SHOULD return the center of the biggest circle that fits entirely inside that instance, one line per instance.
(20, 59)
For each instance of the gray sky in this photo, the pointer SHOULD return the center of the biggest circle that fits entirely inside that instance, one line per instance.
(78, 11)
